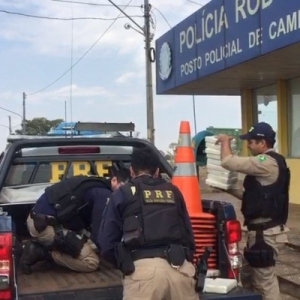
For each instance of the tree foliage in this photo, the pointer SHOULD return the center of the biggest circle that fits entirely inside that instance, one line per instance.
(39, 126)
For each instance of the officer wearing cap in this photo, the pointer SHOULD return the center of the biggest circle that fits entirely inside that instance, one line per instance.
(146, 232)
(265, 204)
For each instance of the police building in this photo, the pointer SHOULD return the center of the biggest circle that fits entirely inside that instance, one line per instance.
(249, 48)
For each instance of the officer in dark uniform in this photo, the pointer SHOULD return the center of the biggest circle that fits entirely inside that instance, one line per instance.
(146, 232)
(61, 222)
(265, 205)
(119, 177)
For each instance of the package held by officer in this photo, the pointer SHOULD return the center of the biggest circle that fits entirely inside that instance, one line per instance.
(217, 176)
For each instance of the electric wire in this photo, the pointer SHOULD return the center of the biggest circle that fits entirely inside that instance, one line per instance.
(94, 44)
(94, 4)
(162, 16)
(65, 19)
(195, 2)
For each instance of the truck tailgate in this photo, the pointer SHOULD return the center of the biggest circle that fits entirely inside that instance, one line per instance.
(115, 293)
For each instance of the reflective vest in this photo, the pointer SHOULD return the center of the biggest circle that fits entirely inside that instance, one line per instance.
(153, 215)
(67, 196)
(270, 201)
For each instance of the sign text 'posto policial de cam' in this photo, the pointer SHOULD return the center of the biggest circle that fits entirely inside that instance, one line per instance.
(222, 34)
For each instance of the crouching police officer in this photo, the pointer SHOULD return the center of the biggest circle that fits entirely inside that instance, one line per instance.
(265, 205)
(62, 219)
(146, 232)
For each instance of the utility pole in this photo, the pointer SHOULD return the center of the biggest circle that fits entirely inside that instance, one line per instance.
(9, 125)
(145, 31)
(149, 87)
(24, 115)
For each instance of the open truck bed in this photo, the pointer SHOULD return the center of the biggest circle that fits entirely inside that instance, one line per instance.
(29, 163)
(57, 283)
(59, 279)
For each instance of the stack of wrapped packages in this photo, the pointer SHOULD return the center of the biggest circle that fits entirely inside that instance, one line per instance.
(217, 176)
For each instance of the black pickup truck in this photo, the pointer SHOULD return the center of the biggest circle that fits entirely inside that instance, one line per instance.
(31, 164)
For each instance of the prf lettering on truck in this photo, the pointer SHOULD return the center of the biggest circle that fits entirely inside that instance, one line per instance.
(58, 169)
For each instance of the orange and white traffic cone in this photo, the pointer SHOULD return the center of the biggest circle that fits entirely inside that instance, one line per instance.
(186, 179)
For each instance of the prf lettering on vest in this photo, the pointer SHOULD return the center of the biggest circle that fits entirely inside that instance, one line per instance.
(58, 169)
(159, 197)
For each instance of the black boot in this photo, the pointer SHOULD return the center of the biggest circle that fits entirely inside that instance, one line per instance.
(33, 253)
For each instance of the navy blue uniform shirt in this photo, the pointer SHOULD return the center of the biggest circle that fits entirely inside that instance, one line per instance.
(96, 199)
(43, 207)
(111, 232)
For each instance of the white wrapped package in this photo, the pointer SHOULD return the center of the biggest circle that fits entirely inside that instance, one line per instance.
(215, 162)
(222, 179)
(217, 176)
(219, 185)
(218, 170)
(21, 195)
(213, 156)
(219, 285)
(212, 151)
(212, 139)
(218, 147)
(210, 142)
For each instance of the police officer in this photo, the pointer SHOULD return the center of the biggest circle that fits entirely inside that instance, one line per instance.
(265, 204)
(146, 233)
(119, 177)
(60, 219)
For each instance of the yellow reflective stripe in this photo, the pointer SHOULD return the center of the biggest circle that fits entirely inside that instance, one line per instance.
(185, 169)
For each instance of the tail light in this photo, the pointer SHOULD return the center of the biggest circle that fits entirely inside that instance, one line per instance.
(234, 236)
(6, 266)
(78, 150)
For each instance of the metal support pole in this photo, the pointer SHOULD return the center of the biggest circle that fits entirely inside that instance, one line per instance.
(65, 111)
(66, 117)
(149, 87)
(194, 111)
(9, 125)
(24, 115)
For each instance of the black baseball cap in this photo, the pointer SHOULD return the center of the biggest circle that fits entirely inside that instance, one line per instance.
(259, 130)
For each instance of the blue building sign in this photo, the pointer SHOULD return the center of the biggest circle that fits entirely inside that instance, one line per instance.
(222, 34)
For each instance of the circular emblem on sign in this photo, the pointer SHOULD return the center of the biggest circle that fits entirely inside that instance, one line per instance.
(165, 61)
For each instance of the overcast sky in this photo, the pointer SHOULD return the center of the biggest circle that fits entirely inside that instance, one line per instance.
(108, 83)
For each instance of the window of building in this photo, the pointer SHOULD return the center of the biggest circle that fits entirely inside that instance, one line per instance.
(266, 106)
(294, 99)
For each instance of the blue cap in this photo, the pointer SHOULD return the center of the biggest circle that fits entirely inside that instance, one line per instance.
(259, 130)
